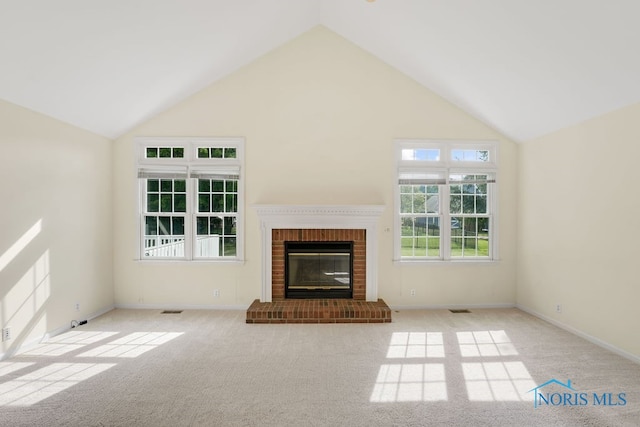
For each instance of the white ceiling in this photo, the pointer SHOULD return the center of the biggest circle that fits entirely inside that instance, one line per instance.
(525, 67)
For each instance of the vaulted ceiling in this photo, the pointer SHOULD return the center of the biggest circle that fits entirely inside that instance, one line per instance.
(525, 67)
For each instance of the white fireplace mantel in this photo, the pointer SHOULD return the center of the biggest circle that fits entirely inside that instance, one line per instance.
(365, 217)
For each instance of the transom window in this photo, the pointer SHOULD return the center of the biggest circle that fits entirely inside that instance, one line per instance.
(216, 152)
(164, 152)
(190, 198)
(445, 199)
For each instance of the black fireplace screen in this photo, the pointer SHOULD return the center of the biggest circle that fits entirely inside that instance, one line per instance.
(318, 269)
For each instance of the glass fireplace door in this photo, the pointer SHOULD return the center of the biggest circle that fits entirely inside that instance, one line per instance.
(318, 269)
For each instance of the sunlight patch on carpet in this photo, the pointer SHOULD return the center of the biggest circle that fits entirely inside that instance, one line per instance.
(494, 377)
(407, 345)
(8, 367)
(497, 381)
(410, 383)
(48, 380)
(485, 344)
(68, 342)
(132, 345)
(43, 383)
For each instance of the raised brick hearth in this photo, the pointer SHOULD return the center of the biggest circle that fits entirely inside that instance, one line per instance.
(319, 311)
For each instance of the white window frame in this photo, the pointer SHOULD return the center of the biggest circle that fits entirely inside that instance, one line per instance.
(443, 168)
(190, 166)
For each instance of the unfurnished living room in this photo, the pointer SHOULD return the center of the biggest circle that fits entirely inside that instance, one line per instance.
(319, 212)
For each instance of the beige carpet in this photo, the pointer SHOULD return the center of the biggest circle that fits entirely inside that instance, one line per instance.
(144, 368)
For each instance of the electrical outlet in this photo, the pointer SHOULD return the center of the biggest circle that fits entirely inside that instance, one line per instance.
(77, 306)
(558, 308)
(413, 292)
(6, 334)
(216, 293)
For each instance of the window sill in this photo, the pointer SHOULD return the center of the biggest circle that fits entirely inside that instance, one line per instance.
(190, 261)
(409, 261)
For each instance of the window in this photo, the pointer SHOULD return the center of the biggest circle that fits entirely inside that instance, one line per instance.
(445, 200)
(190, 198)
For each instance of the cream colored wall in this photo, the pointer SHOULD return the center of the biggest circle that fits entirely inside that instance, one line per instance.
(319, 116)
(578, 232)
(55, 243)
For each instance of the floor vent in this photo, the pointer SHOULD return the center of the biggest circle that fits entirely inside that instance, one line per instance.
(171, 312)
(460, 311)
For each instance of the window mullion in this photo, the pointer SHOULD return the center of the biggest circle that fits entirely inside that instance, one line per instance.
(189, 239)
(445, 229)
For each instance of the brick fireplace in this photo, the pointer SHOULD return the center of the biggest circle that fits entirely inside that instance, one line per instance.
(326, 223)
(356, 223)
(280, 236)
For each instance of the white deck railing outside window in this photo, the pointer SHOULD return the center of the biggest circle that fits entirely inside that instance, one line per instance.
(173, 246)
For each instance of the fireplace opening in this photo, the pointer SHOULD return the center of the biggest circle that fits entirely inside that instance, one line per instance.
(318, 269)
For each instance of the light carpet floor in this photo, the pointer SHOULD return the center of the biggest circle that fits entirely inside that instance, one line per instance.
(209, 368)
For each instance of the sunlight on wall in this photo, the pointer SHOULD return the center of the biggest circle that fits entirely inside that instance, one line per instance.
(20, 244)
(45, 381)
(29, 295)
(22, 301)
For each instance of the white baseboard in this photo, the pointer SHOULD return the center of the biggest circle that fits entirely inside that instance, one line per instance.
(451, 306)
(574, 331)
(50, 334)
(180, 307)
